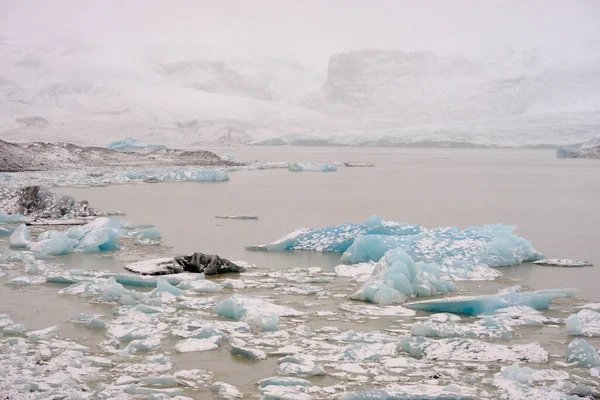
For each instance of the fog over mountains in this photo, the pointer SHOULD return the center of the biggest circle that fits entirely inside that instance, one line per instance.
(274, 72)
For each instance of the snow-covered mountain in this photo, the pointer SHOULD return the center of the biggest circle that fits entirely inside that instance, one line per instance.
(179, 95)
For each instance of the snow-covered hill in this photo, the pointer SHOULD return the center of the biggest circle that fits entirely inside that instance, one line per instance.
(177, 95)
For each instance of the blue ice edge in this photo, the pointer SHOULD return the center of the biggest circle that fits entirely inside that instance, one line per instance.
(477, 305)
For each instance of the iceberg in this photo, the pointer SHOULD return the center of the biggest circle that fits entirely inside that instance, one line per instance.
(284, 381)
(477, 305)
(580, 352)
(20, 238)
(463, 254)
(298, 167)
(258, 311)
(397, 277)
(283, 393)
(584, 323)
(589, 149)
(129, 144)
(459, 349)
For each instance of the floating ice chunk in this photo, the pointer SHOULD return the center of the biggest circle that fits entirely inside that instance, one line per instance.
(584, 323)
(297, 167)
(6, 230)
(193, 377)
(236, 216)
(129, 143)
(397, 277)
(475, 305)
(361, 337)
(42, 334)
(164, 380)
(510, 389)
(11, 218)
(580, 352)
(98, 235)
(163, 286)
(99, 361)
(283, 393)
(358, 272)
(379, 311)
(528, 375)
(368, 352)
(27, 280)
(562, 262)
(258, 311)
(472, 350)
(299, 364)
(152, 393)
(414, 392)
(485, 328)
(148, 344)
(149, 233)
(284, 381)
(224, 390)
(5, 320)
(14, 329)
(56, 245)
(20, 238)
(246, 352)
(193, 344)
(200, 286)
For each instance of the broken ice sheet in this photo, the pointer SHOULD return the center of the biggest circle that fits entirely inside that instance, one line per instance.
(414, 392)
(459, 349)
(193, 344)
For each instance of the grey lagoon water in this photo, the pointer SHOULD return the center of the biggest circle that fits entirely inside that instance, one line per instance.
(553, 202)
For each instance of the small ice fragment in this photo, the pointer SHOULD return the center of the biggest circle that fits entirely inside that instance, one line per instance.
(379, 311)
(164, 380)
(14, 329)
(99, 361)
(297, 167)
(193, 344)
(414, 392)
(257, 311)
(246, 352)
(284, 381)
(200, 286)
(236, 216)
(300, 365)
(283, 393)
(26, 280)
(56, 245)
(583, 354)
(149, 233)
(42, 334)
(20, 238)
(476, 305)
(226, 391)
(562, 262)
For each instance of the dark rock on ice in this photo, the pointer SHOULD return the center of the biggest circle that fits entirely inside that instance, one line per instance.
(209, 264)
(44, 207)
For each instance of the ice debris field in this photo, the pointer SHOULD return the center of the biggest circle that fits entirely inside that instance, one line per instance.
(386, 323)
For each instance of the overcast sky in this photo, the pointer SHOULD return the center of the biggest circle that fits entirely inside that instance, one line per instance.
(309, 30)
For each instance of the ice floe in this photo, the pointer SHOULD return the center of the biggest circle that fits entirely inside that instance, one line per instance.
(307, 166)
(584, 323)
(562, 262)
(460, 349)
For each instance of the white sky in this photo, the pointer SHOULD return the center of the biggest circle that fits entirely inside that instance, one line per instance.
(309, 30)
